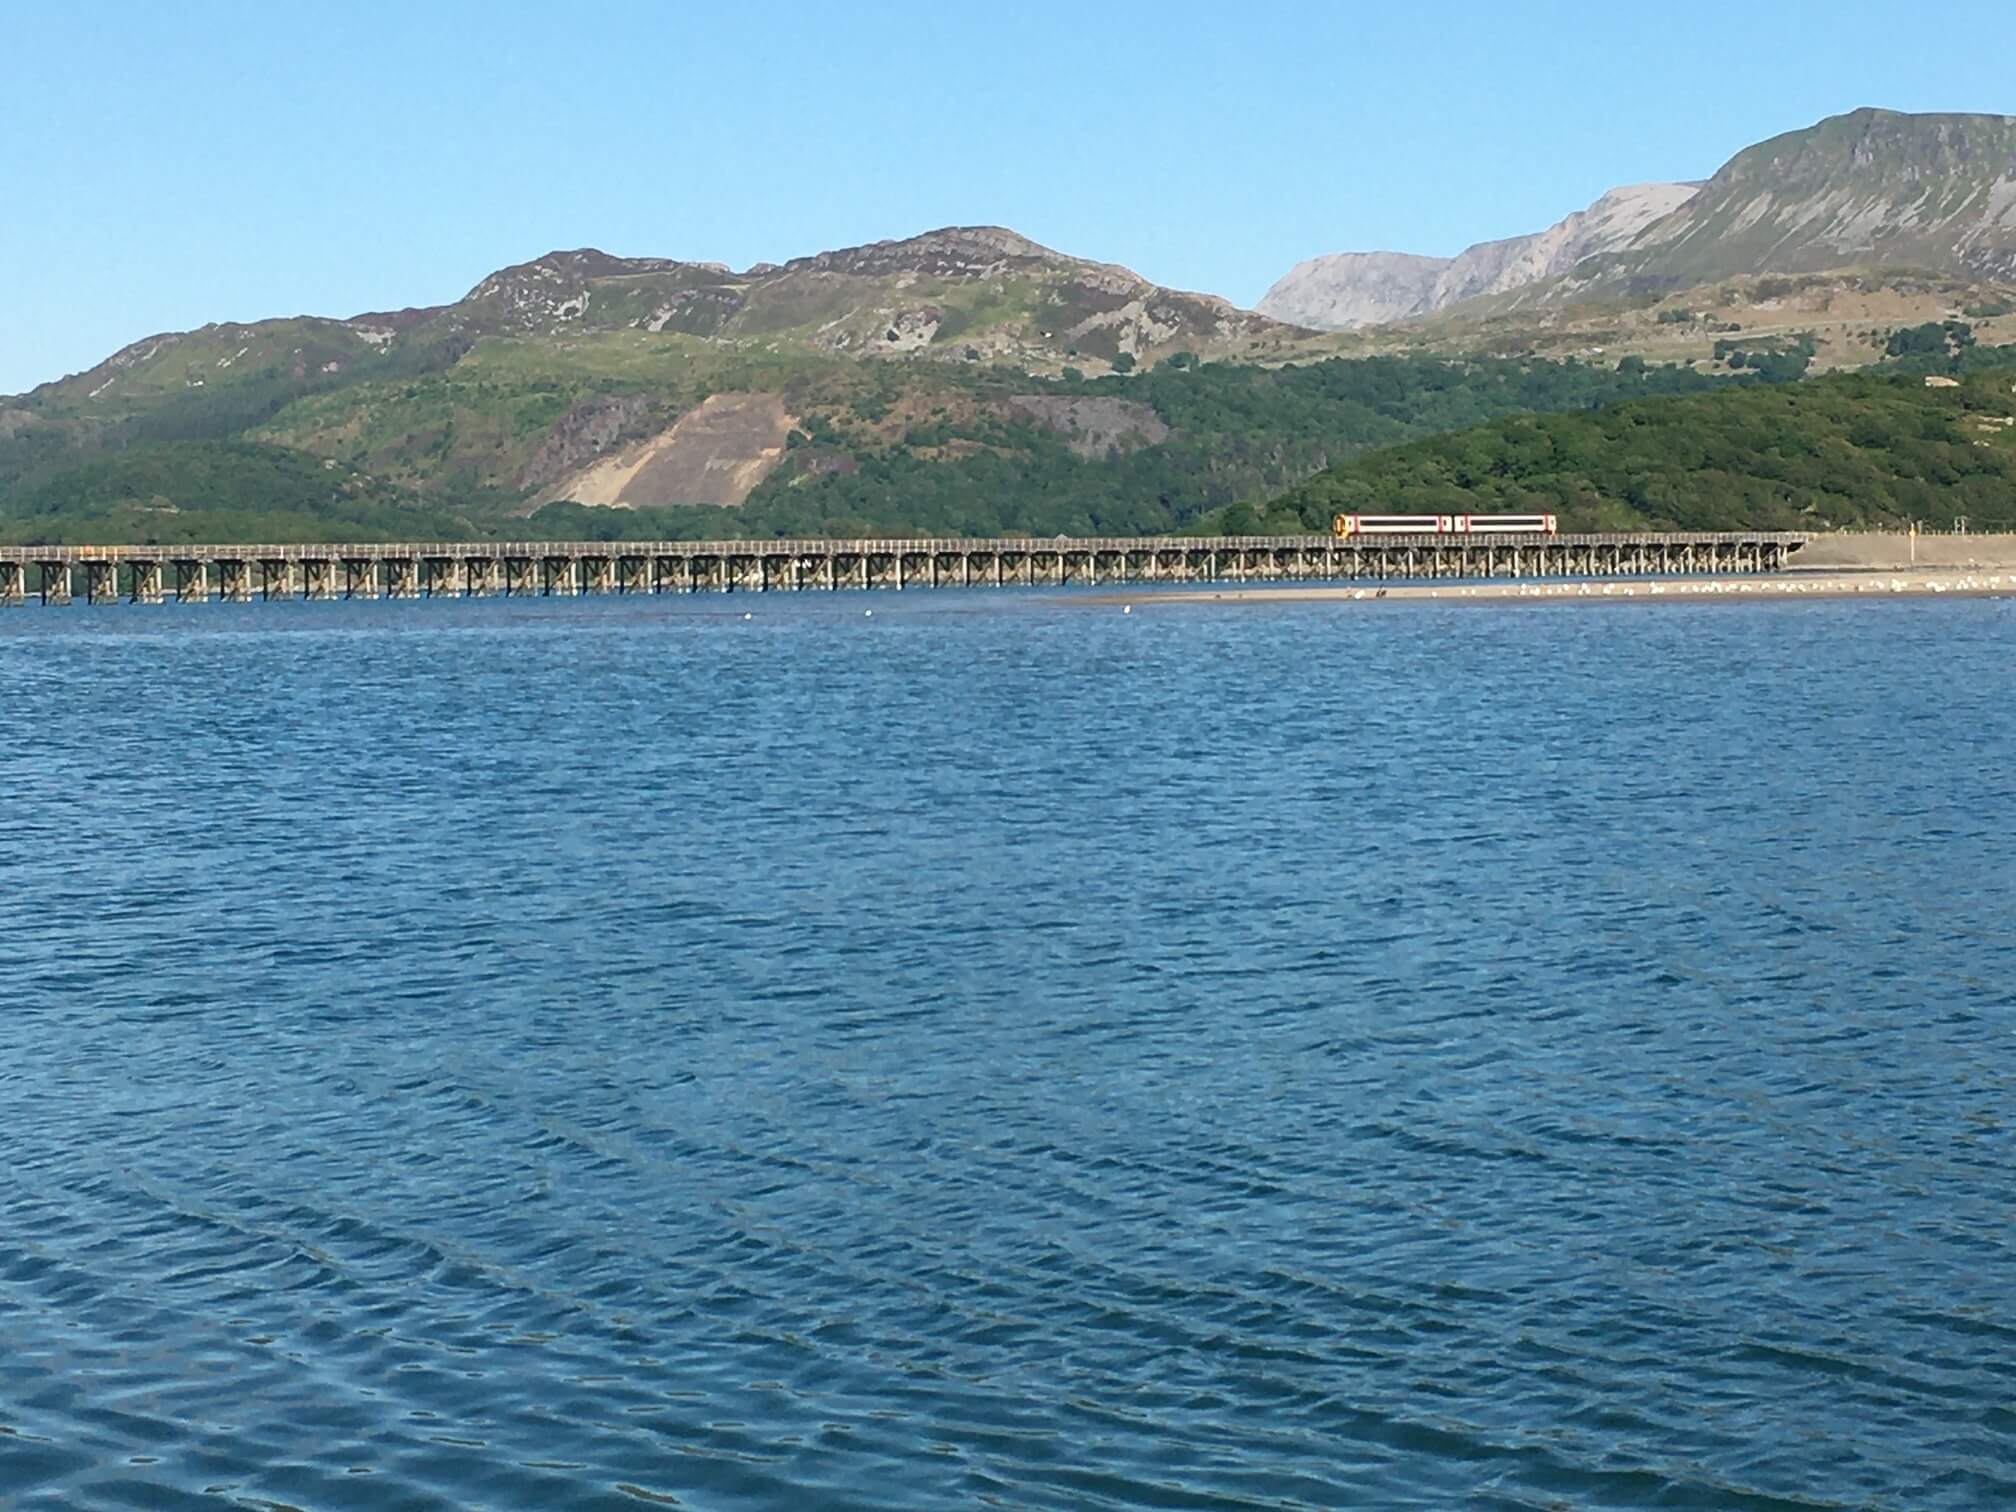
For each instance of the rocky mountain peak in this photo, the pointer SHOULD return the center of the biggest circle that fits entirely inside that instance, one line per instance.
(566, 270)
(1341, 290)
(949, 252)
(1347, 289)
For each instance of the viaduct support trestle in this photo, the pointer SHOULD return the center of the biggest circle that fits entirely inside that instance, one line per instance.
(559, 568)
(561, 575)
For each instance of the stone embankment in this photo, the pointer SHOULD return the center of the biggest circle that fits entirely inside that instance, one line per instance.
(1878, 551)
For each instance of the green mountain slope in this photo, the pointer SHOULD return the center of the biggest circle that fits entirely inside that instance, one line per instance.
(221, 491)
(1873, 188)
(909, 448)
(210, 384)
(1845, 450)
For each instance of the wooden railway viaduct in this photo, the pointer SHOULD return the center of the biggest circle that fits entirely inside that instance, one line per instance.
(240, 574)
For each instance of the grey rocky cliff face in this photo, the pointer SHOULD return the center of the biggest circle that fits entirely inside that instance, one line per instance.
(1093, 426)
(1348, 289)
(1613, 221)
(583, 434)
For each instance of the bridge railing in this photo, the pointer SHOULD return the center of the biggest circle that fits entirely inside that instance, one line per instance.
(875, 546)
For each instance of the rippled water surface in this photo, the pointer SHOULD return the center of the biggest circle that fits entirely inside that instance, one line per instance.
(1003, 1051)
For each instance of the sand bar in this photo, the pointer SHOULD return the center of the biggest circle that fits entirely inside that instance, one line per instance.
(1806, 585)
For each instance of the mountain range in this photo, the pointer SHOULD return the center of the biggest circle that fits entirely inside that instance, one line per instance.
(973, 357)
(1871, 189)
(963, 294)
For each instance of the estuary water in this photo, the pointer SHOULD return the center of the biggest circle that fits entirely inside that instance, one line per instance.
(1003, 1051)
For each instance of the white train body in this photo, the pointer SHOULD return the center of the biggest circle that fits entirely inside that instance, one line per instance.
(1357, 525)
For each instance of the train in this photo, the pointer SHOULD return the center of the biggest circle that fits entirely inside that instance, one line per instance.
(1357, 525)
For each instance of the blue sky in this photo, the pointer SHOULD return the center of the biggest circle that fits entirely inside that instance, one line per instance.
(164, 166)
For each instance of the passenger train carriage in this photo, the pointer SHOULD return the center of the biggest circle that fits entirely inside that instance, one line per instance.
(1357, 525)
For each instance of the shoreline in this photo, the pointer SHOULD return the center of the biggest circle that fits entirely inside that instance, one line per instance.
(1810, 584)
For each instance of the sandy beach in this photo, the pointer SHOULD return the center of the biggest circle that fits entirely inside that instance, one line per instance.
(1802, 585)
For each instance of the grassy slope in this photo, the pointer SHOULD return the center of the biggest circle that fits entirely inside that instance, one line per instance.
(1851, 449)
(214, 384)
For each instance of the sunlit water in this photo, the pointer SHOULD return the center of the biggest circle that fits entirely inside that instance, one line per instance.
(1004, 1051)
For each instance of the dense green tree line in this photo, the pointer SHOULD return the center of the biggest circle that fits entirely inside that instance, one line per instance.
(205, 491)
(1854, 449)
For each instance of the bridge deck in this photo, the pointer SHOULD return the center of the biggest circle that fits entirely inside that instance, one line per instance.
(918, 546)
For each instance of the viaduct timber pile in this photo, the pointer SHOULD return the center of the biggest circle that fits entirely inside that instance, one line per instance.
(239, 574)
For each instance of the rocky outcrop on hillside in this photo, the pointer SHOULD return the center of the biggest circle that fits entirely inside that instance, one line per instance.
(977, 292)
(585, 433)
(1093, 426)
(562, 288)
(919, 296)
(953, 252)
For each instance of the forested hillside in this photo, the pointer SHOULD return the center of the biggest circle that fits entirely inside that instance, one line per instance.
(209, 491)
(1235, 432)
(1846, 450)
(878, 448)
